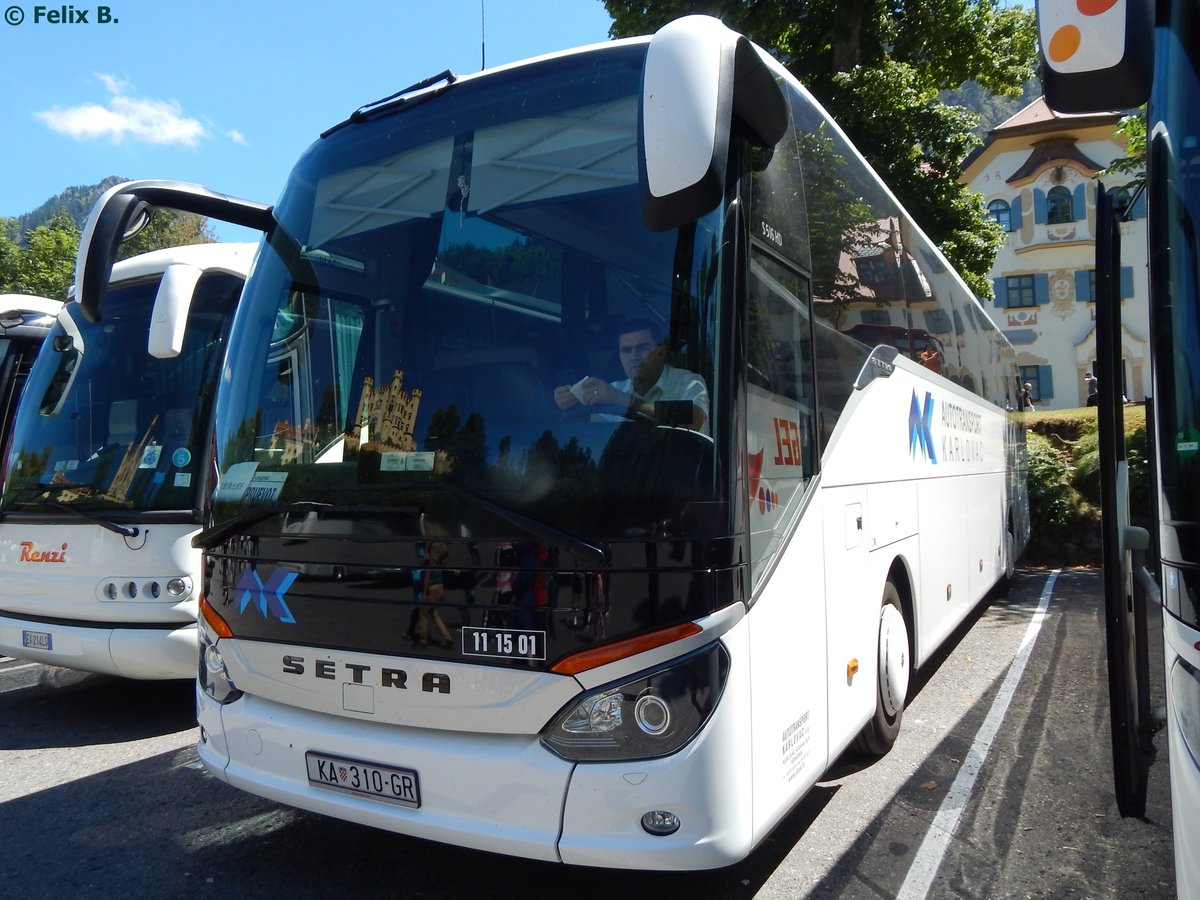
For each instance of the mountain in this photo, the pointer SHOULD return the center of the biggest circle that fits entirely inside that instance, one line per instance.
(76, 202)
(992, 110)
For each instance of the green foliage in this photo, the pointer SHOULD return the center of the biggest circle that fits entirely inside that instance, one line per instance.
(1085, 454)
(46, 266)
(75, 202)
(1056, 508)
(1133, 164)
(168, 228)
(879, 69)
(1064, 481)
(840, 223)
(37, 250)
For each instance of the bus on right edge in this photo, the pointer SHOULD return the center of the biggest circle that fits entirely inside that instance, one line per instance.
(1120, 54)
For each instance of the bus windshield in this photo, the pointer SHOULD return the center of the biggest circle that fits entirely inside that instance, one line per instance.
(103, 425)
(462, 313)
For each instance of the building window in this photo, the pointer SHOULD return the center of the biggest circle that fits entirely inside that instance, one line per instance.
(937, 321)
(1041, 385)
(876, 317)
(1058, 206)
(874, 270)
(1085, 284)
(1020, 290)
(1002, 213)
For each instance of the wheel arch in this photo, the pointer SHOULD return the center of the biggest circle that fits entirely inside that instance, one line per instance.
(901, 577)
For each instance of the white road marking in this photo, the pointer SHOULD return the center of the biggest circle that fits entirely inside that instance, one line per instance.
(933, 848)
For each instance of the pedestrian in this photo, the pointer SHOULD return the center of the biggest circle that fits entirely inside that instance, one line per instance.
(1027, 397)
(1093, 388)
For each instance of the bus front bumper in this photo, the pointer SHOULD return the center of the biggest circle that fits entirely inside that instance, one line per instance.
(146, 653)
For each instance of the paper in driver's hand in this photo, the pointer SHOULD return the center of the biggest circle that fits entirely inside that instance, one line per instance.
(577, 388)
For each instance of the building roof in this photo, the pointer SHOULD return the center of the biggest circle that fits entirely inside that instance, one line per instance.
(1052, 150)
(1037, 117)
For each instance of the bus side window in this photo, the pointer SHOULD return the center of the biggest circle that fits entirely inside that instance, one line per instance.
(779, 397)
(780, 351)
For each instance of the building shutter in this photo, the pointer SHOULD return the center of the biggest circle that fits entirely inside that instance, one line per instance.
(1000, 286)
(1039, 206)
(1079, 203)
(1015, 214)
(1045, 382)
(1041, 288)
(1126, 282)
(1083, 284)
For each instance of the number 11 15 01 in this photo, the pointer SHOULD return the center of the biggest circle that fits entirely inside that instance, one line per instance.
(504, 642)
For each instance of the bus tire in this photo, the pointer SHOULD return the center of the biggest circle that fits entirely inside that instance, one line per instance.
(1010, 563)
(891, 683)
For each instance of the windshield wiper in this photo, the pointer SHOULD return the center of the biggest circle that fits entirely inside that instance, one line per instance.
(394, 101)
(592, 554)
(210, 537)
(123, 530)
(60, 487)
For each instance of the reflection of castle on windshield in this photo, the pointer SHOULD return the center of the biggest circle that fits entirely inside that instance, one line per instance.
(384, 421)
(143, 454)
(386, 417)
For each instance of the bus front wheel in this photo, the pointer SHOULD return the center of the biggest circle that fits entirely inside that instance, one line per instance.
(895, 666)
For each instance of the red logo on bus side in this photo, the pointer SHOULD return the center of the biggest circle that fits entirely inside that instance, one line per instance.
(787, 443)
(28, 554)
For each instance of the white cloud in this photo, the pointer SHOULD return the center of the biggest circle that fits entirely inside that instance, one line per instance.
(236, 136)
(138, 118)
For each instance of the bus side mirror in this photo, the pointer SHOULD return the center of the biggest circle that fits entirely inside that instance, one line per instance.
(171, 305)
(1101, 62)
(124, 209)
(700, 79)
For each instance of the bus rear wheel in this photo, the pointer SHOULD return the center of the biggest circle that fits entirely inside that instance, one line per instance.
(895, 666)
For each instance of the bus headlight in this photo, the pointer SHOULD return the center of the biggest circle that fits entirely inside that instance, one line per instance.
(213, 675)
(652, 714)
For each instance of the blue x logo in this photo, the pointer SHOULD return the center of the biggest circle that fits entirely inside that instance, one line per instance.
(920, 428)
(267, 598)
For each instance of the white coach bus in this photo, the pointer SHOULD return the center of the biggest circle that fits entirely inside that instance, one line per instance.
(558, 512)
(1120, 55)
(106, 470)
(24, 323)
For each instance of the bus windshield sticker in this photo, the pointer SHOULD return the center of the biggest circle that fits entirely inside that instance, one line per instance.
(405, 461)
(265, 487)
(150, 456)
(232, 485)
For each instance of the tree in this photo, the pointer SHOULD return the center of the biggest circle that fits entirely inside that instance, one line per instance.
(1133, 164)
(168, 228)
(879, 69)
(46, 266)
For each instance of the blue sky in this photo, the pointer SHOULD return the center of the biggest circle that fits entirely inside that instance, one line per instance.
(228, 93)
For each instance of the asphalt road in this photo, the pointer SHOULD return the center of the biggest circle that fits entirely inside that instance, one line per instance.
(999, 786)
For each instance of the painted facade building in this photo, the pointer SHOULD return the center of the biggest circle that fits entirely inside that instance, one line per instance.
(1036, 174)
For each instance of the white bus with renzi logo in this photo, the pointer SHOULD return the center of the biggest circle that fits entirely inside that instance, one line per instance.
(544, 436)
(106, 469)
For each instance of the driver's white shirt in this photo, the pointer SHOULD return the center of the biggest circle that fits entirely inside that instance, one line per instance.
(672, 384)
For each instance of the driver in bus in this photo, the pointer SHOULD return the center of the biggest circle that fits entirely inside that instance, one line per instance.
(654, 391)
